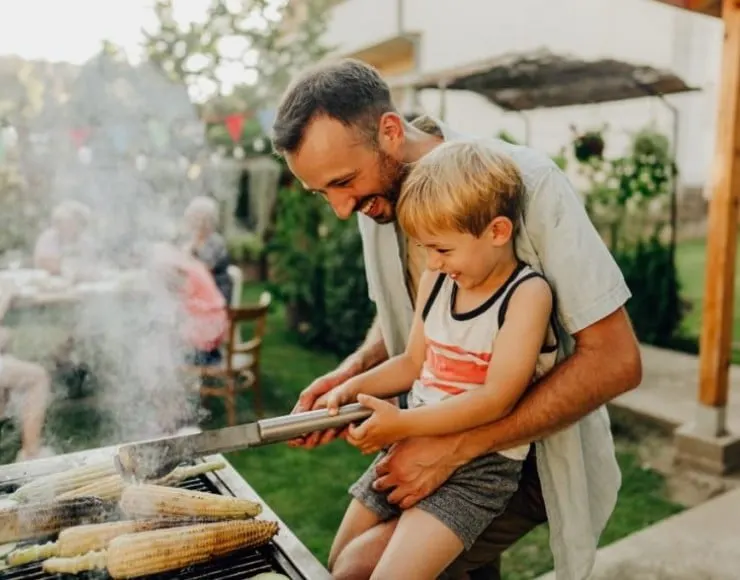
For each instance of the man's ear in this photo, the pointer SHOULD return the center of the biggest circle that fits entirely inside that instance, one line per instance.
(501, 230)
(391, 132)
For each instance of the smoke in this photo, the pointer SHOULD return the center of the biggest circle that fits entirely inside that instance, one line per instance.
(128, 144)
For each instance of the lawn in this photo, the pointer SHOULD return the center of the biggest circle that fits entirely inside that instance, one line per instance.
(690, 261)
(308, 488)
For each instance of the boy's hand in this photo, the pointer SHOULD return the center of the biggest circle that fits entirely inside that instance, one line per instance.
(339, 396)
(384, 427)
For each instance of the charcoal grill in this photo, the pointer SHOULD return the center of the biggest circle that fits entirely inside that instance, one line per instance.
(284, 554)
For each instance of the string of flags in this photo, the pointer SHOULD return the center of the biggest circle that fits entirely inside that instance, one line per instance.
(160, 135)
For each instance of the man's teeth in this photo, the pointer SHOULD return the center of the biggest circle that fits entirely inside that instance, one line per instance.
(368, 208)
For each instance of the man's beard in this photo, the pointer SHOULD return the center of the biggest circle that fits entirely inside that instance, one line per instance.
(393, 173)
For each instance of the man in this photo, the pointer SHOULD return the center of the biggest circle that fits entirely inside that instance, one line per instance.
(30, 382)
(341, 136)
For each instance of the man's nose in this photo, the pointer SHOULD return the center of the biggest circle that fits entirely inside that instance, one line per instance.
(342, 205)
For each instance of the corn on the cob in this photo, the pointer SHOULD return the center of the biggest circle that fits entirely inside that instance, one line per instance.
(146, 500)
(47, 487)
(27, 521)
(108, 488)
(112, 486)
(144, 553)
(89, 538)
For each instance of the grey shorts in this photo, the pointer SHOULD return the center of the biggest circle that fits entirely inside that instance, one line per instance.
(466, 503)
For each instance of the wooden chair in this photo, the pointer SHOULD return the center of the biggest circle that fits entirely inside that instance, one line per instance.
(240, 369)
(237, 279)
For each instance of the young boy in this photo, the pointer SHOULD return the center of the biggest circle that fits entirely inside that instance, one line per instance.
(482, 333)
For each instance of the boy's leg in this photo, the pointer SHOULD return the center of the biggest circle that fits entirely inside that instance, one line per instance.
(358, 559)
(356, 521)
(421, 547)
(32, 382)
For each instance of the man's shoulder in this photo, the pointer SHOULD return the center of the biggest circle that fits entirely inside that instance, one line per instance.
(532, 163)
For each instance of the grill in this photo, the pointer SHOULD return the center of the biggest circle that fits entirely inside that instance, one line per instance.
(285, 554)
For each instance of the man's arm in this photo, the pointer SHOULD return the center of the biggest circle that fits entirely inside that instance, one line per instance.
(372, 351)
(606, 363)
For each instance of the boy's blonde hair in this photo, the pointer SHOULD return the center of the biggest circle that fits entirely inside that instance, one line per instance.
(460, 186)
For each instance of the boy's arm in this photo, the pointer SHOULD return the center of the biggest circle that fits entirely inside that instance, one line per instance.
(510, 371)
(397, 374)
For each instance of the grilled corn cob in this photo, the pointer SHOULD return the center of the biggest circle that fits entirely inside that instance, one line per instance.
(112, 486)
(146, 500)
(109, 488)
(47, 487)
(89, 538)
(26, 521)
(144, 553)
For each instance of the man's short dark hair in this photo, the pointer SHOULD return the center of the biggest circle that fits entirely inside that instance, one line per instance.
(348, 90)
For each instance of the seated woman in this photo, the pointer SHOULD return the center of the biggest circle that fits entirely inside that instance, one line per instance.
(65, 248)
(204, 321)
(206, 244)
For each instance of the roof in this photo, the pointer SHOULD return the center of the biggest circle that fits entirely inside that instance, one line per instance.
(709, 7)
(542, 79)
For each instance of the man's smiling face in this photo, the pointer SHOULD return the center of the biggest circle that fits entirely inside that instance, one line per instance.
(353, 171)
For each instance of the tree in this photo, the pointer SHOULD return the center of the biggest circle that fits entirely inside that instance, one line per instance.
(246, 40)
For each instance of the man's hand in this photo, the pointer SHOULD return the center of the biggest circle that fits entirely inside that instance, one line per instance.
(417, 467)
(383, 427)
(315, 396)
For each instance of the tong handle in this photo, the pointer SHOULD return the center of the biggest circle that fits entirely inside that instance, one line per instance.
(291, 426)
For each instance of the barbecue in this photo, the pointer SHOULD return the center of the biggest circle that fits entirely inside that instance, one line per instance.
(284, 554)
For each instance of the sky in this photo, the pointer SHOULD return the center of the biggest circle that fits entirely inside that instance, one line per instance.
(70, 30)
(73, 30)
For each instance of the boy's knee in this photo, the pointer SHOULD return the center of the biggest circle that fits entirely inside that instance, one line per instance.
(349, 566)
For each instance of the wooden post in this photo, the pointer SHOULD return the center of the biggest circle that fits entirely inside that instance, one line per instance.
(717, 316)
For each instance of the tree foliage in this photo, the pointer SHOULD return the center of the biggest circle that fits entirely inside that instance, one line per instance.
(269, 40)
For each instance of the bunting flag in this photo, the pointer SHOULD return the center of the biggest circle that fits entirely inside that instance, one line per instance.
(235, 125)
(80, 135)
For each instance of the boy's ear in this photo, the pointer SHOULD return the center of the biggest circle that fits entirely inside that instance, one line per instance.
(501, 230)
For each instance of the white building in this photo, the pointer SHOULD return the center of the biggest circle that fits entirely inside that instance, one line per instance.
(409, 37)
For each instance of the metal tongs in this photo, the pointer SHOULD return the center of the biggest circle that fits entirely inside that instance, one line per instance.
(154, 458)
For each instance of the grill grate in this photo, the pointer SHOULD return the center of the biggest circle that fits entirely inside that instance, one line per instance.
(239, 565)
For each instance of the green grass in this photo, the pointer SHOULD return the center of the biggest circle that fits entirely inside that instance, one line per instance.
(691, 262)
(308, 489)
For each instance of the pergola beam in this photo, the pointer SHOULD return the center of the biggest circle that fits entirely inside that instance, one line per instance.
(719, 281)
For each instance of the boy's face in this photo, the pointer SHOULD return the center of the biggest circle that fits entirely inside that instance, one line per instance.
(467, 259)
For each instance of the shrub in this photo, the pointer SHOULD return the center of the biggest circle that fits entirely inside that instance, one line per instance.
(317, 270)
(655, 307)
(628, 201)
